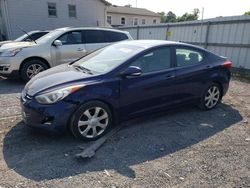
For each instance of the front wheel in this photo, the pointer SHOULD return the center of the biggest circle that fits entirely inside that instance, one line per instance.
(91, 121)
(211, 97)
(32, 68)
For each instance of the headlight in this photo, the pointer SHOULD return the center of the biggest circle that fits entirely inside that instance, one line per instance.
(10, 53)
(57, 95)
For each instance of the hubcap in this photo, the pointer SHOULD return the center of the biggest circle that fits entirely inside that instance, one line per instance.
(33, 70)
(212, 97)
(93, 122)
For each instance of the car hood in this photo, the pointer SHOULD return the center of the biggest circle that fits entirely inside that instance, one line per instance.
(54, 77)
(5, 42)
(12, 45)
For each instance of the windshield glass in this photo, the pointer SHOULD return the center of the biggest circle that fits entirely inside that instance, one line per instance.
(19, 39)
(106, 59)
(51, 35)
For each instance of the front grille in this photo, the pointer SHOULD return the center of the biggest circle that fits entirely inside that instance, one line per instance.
(25, 96)
(28, 97)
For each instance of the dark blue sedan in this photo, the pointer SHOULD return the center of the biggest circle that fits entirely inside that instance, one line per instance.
(122, 81)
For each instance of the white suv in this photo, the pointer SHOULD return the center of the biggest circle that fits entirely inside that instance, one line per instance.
(64, 45)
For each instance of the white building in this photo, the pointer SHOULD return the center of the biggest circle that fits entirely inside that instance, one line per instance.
(49, 14)
(130, 16)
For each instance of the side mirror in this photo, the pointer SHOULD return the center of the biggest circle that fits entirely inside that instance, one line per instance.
(57, 43)
(132, 71)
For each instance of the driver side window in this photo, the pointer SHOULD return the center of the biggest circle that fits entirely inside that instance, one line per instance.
(156, 60)
(70, 38)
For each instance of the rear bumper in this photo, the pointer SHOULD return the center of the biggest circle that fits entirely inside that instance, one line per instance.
(225, 88)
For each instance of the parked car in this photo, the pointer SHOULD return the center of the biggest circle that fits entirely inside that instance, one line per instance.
(26, 59)
(33, 35)
(122, 81)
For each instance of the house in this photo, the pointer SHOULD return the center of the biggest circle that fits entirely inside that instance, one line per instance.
(49, 14)
(130, 16)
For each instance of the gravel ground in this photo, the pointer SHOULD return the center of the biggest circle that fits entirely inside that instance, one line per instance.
(182, 148)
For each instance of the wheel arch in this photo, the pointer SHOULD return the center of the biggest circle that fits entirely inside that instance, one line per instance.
(220, 85)
(110, 106)
(32, 58)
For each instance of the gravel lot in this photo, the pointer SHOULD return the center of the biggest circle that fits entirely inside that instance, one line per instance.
(182, 148)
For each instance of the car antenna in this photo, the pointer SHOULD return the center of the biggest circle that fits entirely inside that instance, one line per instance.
(26, 34)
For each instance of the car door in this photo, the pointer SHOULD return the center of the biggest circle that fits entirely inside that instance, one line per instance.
(94, 39)
(192, 71)
(154, 88)
(72, 47)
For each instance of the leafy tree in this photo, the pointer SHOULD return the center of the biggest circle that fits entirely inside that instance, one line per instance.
(247, 13)
(163, 17)
(189, 17)
(171, 17)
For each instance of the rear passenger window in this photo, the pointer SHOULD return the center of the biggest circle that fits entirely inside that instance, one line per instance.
(114, 36)
(94, 36)
(185, 57)
(70, 38)
(156, 60)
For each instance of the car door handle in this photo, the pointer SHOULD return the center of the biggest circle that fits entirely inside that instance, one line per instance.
(209, 66)
(170, 76)
(81, 50)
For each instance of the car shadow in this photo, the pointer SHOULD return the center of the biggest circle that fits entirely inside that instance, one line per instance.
(41, 156)
(9, 86)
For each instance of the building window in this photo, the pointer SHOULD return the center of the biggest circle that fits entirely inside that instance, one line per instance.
(143, 21)
(109, 19)
(72, 11)
(154, 21)
(135, 21)
(52, 10)
(123, 21)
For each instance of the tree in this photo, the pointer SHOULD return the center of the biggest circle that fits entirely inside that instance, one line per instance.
(189, 17)
(171, 17)
(163, 17)
(247, 13)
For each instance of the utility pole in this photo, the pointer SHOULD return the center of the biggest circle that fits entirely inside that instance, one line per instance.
(136, 3)
(202, 14)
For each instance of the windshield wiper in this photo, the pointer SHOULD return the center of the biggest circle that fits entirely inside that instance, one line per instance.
(27, 34)
(85, 70)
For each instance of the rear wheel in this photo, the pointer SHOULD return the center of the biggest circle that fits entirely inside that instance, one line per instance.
(211, 97)
(91, 121)
(32, 68)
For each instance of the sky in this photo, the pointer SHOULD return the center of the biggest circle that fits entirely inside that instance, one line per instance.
(212, 8)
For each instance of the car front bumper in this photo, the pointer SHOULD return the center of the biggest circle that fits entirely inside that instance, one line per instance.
(53, 117)
(9, 66)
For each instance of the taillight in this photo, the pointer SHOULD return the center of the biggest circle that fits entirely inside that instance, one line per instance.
(227, 64)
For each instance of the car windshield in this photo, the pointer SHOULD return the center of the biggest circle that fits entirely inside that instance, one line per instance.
(19, 39)
(51, 35)
(108, 58)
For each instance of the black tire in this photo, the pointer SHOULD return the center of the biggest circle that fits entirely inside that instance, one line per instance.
(79, 114)
(204, 102)
(26, 66)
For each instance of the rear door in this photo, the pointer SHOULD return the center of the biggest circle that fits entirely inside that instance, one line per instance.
(72, 48)
(154, 88)
(192, 73)
(94, 39)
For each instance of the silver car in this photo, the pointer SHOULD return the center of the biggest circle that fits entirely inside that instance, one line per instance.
(64, 45)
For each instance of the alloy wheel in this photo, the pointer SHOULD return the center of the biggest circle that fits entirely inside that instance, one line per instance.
(212, 97)
(93, 122)
(34, 69)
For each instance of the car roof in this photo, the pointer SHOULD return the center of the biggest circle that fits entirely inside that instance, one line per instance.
(90, 28)
(154, 43)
